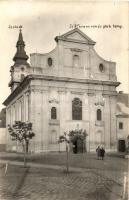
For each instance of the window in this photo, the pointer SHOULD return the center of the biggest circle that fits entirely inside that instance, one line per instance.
(75, 60)
(53, 113)
(101, 67)
(49, 61)
(120, 125)
(77, 109)
(99, 115)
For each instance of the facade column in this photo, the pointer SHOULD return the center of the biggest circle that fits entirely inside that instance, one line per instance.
(19, 110)
(107, 120)
(45, 122)
(92, 115)
(86, 117)
(62, 111)
(22, 109)
(113, 123)
(8, 122)
(32, 117)
(37, 119)
(16, 108)
(11, 111)
(27, 107)
(24, 104)
(68, 101)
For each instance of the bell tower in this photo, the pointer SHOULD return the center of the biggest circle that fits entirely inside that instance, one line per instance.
(20, 68)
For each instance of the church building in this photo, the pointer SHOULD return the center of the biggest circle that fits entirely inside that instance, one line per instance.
(69, 88)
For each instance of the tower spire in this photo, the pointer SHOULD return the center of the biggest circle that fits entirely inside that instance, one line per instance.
(20, 56)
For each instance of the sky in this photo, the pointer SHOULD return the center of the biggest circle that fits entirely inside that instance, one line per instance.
(43, 20)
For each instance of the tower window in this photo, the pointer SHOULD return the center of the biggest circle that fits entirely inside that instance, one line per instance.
(77, 109)
(99, 115)
(53, 113)
(120, 125)
(49, 61)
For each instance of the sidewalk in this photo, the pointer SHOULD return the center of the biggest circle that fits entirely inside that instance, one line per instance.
(44, 178)
(38, 165)
(103, 168)
(85, 160)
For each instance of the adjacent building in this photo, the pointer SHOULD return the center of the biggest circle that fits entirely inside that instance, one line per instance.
(3, 130)
(69, 88)
(122, 120)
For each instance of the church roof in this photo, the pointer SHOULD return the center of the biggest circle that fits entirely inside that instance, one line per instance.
(20, 56)
(75, 35)
(123, 98)
(122, 110)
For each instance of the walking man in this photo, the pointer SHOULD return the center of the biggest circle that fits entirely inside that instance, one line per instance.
(102, 153)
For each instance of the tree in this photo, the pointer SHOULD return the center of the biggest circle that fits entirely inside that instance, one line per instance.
(76, 136)
(72, 137)
(65, 138)
(22, 132)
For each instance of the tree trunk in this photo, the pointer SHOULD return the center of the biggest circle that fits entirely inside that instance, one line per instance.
(27, 146)
(24, 151)
(67, 159)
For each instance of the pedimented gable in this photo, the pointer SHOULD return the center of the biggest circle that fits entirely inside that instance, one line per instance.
(75, 35)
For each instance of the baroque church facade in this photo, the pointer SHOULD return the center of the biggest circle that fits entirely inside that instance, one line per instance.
(69, 88)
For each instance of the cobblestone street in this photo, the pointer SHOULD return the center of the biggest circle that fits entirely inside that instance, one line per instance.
(43, 183)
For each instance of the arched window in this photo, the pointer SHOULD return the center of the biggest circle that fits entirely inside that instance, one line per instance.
(75, 60)
(53, 113)
(99, 115)
(101, 67)
(49, 60)
(77, 109)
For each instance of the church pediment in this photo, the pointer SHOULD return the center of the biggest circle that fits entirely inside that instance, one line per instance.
(75, 35)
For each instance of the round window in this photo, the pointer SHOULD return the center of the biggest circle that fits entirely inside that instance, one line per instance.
(49, 60)
(101, 67)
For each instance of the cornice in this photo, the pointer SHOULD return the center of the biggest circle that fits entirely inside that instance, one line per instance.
(28, 78)
(91, 93)
(77, 92)
(73, 80)
(122, 115)
(73, 40)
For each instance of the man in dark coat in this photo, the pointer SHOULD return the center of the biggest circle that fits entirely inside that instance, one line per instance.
(102, 153)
